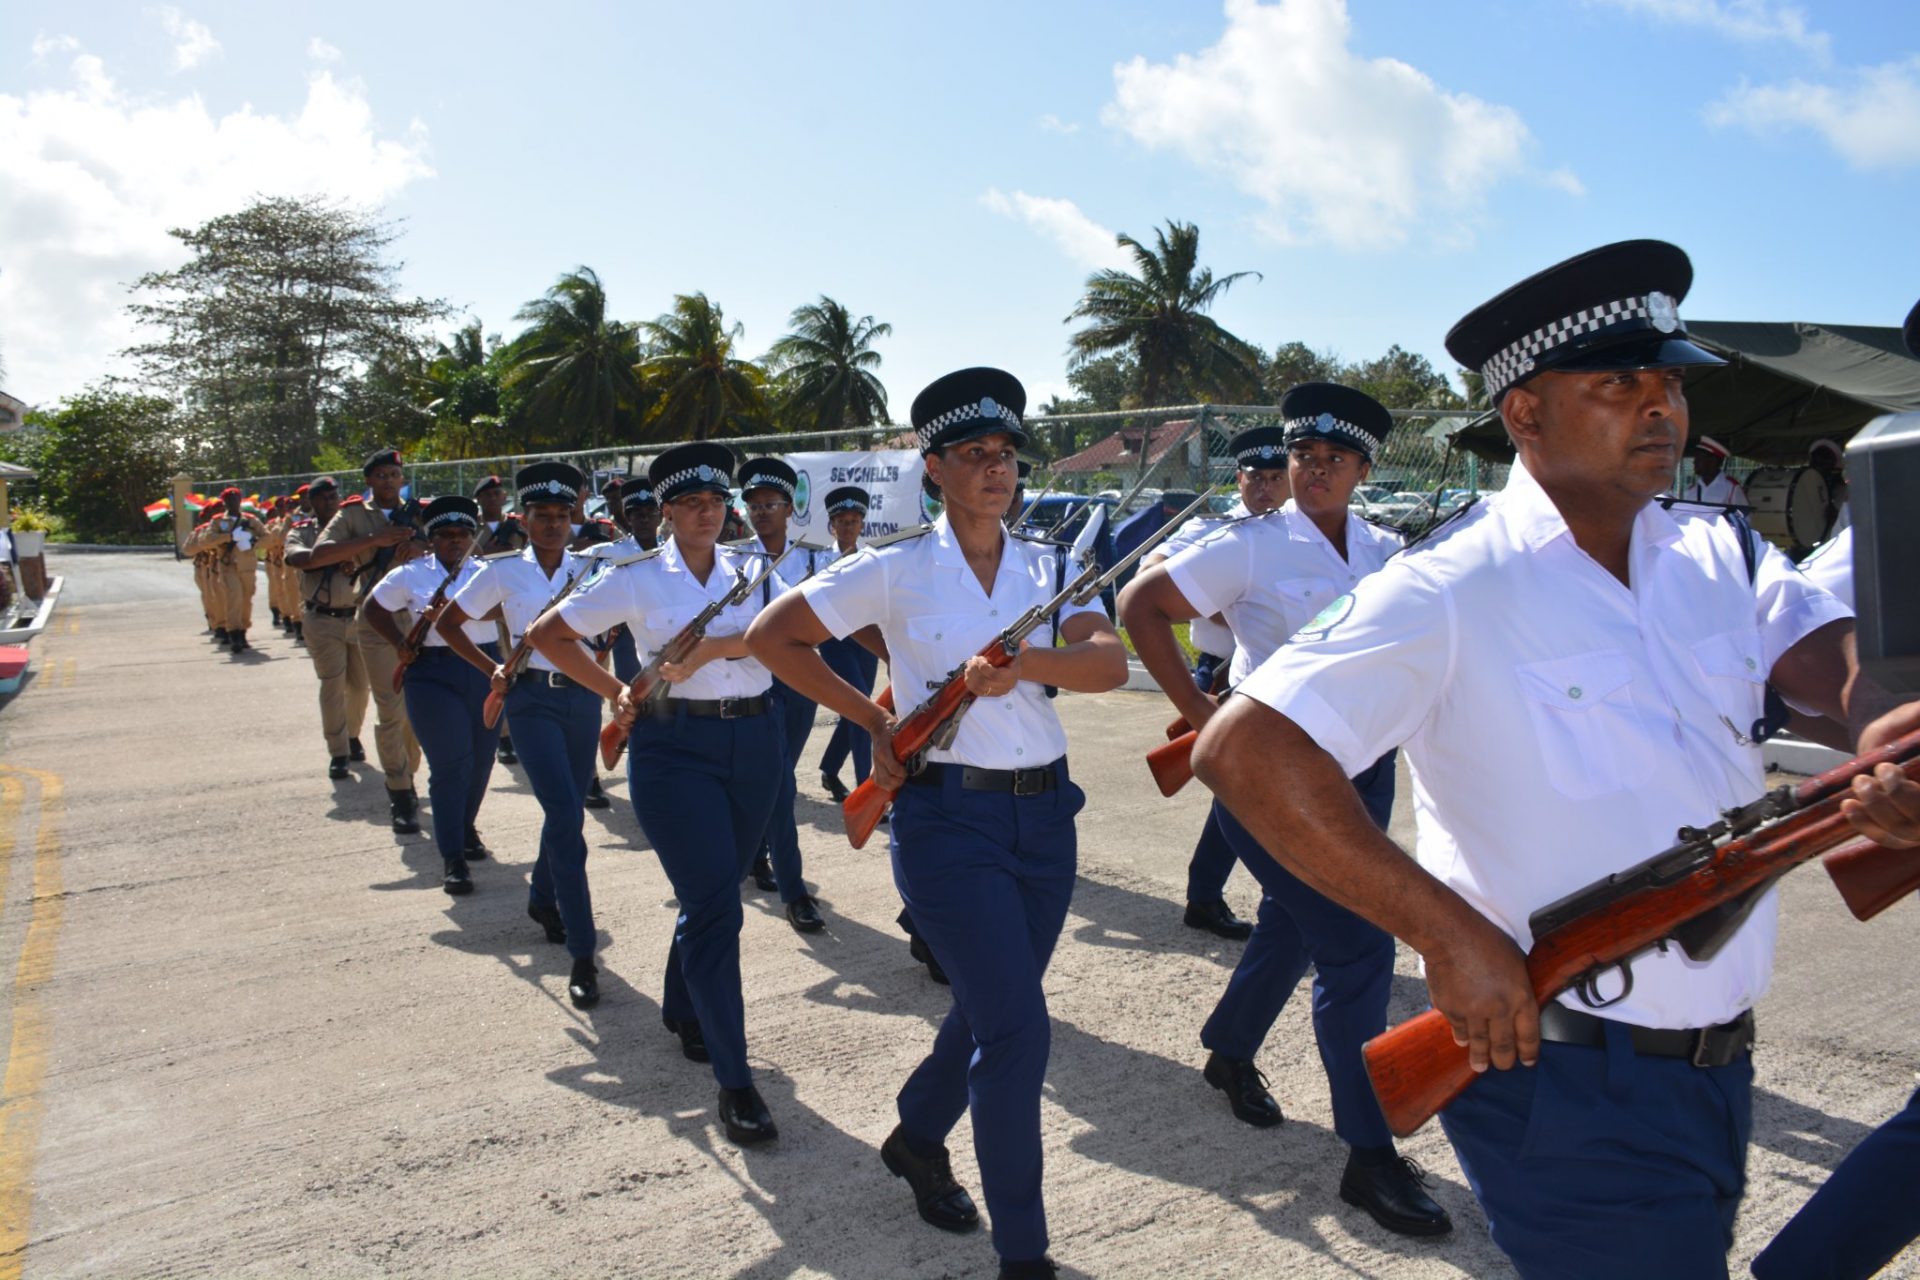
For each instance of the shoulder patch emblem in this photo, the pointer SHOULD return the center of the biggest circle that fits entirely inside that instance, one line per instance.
(1327, 619)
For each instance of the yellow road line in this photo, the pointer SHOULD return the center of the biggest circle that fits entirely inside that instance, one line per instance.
(67, 669)
(20, 1097)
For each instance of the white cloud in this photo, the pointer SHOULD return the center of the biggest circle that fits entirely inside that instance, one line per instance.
(320, 51)
(193, 42)
(1359, 152)
(46, 47)
(96, 176)
(1751, 20)
(1872, 119)
(1061, 221)
(1054, 124)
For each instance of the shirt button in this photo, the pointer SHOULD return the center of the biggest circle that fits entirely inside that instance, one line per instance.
(994, 613)
(1574, 692)
(1751, 664)
(938, 635)
(1019, 751)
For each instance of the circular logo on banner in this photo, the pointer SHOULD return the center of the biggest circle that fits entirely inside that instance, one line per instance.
(1327, 619)
(802, 497)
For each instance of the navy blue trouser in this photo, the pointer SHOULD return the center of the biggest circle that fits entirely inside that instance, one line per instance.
(988, 876)
(781, 840)
(860, 669)
(1352, 971)
(445, 697)
(1212, 860)
(1598, 1163)
(1868, 1210)
(710, 786)
(555, 732)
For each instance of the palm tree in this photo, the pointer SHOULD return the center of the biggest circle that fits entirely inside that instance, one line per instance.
(689, 365)
(823, 369)
(1156, 314)
(572, 365)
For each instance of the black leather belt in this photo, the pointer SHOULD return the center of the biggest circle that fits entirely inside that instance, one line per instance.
(706, 708)
(552, 679)
(329, 613)
(1702, 1046)
(1022, 782)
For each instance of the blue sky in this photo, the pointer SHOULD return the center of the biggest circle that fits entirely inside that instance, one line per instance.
(958, 170)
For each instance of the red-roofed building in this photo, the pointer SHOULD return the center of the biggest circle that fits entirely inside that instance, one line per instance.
(1170, 464)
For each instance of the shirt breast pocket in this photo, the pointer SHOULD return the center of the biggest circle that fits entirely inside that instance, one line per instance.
(947, 640)
(1733, 675)
(1592, 739)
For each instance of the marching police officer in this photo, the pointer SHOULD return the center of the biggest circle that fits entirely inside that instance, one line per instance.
(709, 751)
(640, 513)
(555, 716)
(326, 623)
(767, 487)
(850, 660)
(982, 838)
(500, 530)
(1566, 665)
(1269, 575)
(445, 696)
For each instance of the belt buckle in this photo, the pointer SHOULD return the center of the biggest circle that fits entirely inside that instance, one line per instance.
(1020, 788)
(728, 709)
(1699, 1055)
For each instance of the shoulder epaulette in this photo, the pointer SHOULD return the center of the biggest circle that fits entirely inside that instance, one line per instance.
(904, 535)
(616, 562)
(740, 544)
(500, 555)
(1037, 540)
(353, 498)
(1444, 522)
(303, 522)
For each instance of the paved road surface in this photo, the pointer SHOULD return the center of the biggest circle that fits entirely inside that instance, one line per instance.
(248, 1035)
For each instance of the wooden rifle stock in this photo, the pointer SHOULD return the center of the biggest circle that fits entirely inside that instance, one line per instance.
(1172, 762)
(1416, 1067)
(497, 698)
(1872, 877)
(416, 639)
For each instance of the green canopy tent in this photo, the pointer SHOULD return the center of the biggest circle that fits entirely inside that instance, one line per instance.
(1784, 386)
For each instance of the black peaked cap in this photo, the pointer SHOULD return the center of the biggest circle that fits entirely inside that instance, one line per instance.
(967, 404)
(1328, 411)
(548, 482)
(703, 466)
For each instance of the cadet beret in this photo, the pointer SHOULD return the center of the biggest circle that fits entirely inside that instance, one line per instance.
(302, 489)
(1615, 307)
(548, 482)
(231, 492)
(848, 498)
(1913, 329)
(491, 482)
(1259, 449)
(1339, 415)
(451, 511)
(704, 466)
(325, 484)
(768, 473)
(966, 405)
(383, 457)
(637, 492)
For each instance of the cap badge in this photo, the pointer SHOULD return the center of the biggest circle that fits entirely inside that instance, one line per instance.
(554, 486)
(1323, 423)
(704, 471)
(1266, 451)
(988, 407)
(1663, 313)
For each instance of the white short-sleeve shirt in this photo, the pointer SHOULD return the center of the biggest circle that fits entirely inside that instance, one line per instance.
(934, 615)
(1269, 574)
(522, 589)
(658, 596)
(1207, 635)
(411, 587)
(1559, 725)
(799, 564)
(1830, 566)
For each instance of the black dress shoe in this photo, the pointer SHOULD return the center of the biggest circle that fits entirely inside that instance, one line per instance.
(803, 913)
(1246, 1090)
(1393, 1192)
(920, 951)
(355, 751)
(583, 988)
(276, 616)
(835, 788)
(403, 806)
(693, 1041)
(219, 635)
(548, 918)
(337, 768)
(476, 852)
(595, 797)
(457, 881)
(762, 874)
(237, 641)
(1216, 918)
(504, 752)
(1042, 1268)
(745, 1116)
(942, 1202)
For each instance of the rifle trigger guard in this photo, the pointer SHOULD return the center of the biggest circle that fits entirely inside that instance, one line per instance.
(1587, 986)
(917, 763)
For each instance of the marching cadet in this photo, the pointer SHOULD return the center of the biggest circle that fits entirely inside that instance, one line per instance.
(849, 659)
(556, 716)
(767, 487)
(270, 548)
(445, 696)
(982, 838)
(709, 751)
(499, 531)
(232, 537)
(1260, 474)
(213, 601)
(327, 606)
(1268, 575)
(1566, 664)
(366, 540)
(640, 515)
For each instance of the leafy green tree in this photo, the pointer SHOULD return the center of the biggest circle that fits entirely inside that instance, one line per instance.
(824, 370)
(101, 457)
(701, 388)
(573, 368)
(1294, 363)
(1157, 315)
(1403, 379)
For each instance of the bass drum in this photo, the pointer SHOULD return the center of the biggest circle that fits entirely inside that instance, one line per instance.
(1789, 505)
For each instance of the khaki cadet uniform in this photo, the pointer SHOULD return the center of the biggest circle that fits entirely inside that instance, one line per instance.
(236, 572)
(326, 619)
(273, 550)
(393, 736)
(212, 603)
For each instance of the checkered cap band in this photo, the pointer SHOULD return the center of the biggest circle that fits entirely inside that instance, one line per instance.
(451, 517)
(1325, 424)
(1262, 454)
(759, 480)
(966, 413)
(1517, 360)
(847, 504)
(702, 474)
(638, 496)
(548, 491)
